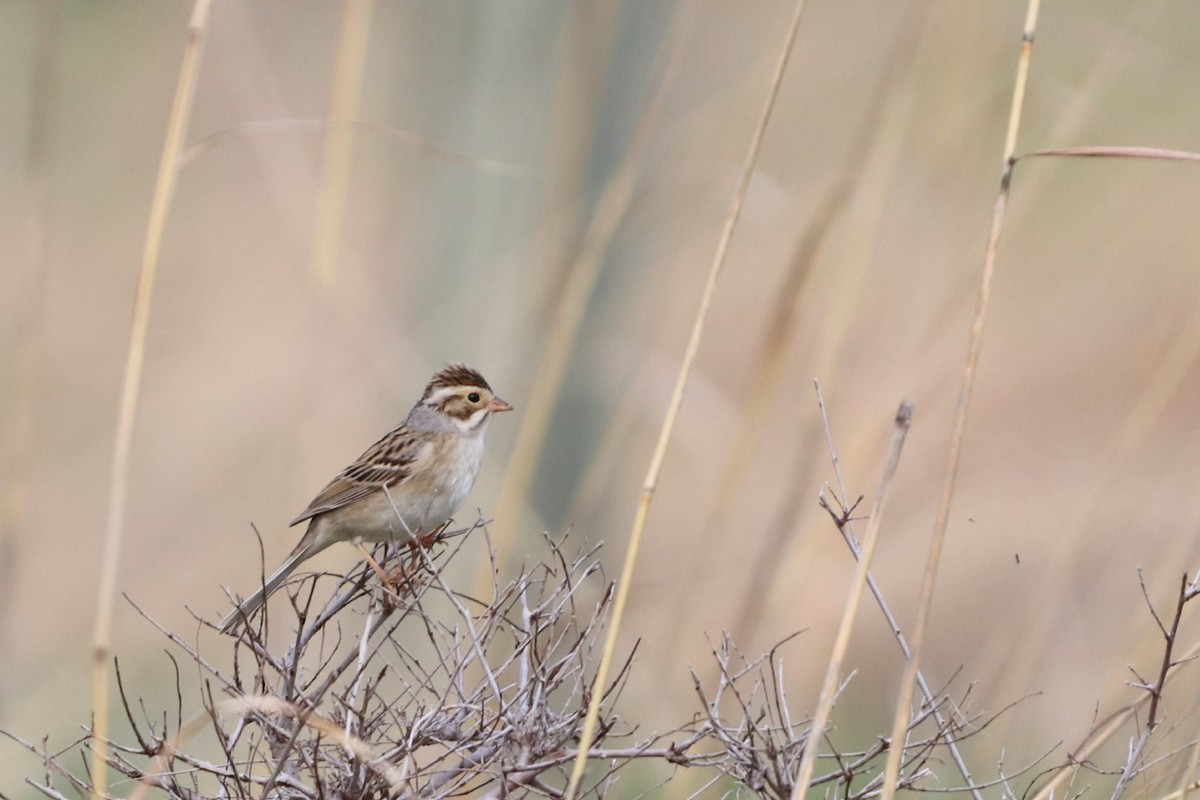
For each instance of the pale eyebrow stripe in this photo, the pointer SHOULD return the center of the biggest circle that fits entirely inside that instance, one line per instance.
(443, 394)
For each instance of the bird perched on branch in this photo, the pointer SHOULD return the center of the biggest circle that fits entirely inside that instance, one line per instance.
(406, 485)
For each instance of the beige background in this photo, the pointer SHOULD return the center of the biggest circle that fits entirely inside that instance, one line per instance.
(1082, 452)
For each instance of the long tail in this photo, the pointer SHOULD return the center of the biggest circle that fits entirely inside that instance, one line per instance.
(251, 603)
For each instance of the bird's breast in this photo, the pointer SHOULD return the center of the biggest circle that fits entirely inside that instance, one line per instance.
(439, 482)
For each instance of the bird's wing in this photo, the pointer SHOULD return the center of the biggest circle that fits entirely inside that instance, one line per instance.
(387, 462)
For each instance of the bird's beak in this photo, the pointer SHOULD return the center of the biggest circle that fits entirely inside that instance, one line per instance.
(498, 405)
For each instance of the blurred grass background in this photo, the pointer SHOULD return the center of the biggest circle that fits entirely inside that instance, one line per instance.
(488, 135)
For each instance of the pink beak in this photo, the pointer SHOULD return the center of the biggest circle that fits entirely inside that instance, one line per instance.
(498, 405)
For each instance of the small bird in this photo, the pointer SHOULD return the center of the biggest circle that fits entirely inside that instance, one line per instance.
(406, 485)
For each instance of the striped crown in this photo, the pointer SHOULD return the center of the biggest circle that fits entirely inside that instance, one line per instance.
(455, 373)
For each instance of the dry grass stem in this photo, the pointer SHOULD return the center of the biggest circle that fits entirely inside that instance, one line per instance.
(344, 102)
(668, 426)
(837, 656)
(888, 111)
(1072, 118)
(917, 642)
(1105, 151)
(571, 307)
(18, 422)
(765, 379)
(418, 143)
(844, 521)
(589, 491)
(1186, 782)
(264, 704)
(1168, 373)
(164, 188)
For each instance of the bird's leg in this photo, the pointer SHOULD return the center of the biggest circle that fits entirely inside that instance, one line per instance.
(418, 543)
(374, 565)
(384, 578)
(430, 539)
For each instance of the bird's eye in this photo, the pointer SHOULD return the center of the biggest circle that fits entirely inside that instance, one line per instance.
(473, 397)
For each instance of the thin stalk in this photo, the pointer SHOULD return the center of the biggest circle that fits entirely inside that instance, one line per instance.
(904, 704)
(588, 733)
(1186, 783)
(164, 189)
(18, 422)
(344, 100)
(875, 148)
(576, 297)
(833, 672)
(850, 537)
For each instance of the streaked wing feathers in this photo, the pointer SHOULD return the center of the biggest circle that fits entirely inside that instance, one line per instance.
(385, 463)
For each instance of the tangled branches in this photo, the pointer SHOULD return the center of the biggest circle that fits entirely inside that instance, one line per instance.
(405, 688)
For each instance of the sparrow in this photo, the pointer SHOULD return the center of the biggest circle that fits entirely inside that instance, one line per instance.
(405, 486)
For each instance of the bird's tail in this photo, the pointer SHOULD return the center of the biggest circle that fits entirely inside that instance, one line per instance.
(250, 604)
